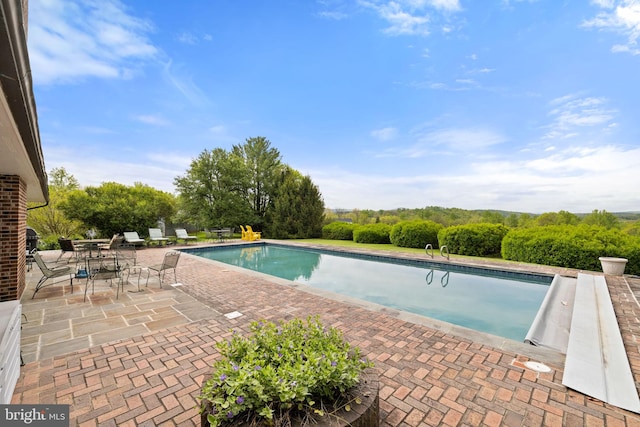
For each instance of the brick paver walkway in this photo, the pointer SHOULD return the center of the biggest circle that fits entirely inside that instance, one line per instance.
(427, 377)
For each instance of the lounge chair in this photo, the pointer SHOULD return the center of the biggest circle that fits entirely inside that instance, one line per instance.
(132, 238)
(155, 235)
(50, 273)
(244, 233)
(170, 262)
(181, 234)
(252, 235)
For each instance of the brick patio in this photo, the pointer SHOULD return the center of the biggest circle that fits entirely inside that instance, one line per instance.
(429, 375)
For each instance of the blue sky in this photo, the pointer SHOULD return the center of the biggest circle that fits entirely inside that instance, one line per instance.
(528, 106)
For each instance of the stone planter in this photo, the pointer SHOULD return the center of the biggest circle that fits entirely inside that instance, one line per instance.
(613, 266)
(364, 414)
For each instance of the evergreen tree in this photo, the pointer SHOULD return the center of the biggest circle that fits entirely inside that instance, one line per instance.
(297, 210)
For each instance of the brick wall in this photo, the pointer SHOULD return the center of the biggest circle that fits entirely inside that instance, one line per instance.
(13, 223)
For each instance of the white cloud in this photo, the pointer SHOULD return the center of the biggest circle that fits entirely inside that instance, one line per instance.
(449, 5)
(570, 113)
(622, 17)
(151, 119)
(73, 40)
(154, 169)
(384, 134)
(333, 15)
(577, 180)
(445, 142)
(411, 17)
(401, 22)
(218, 129)
(187, 38)
(461, 140)
(184, 84)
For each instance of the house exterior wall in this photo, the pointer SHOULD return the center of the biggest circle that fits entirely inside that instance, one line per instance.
(13, 231)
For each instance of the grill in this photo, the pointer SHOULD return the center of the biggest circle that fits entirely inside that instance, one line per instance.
(32, 239)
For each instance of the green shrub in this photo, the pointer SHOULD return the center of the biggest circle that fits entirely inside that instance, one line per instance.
(571, 246)
(48, 243)
(338, 231)
(280, 369)
(473, 239)
(415, 234)
(372, 233)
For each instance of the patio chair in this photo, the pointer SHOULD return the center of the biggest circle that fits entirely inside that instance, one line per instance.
(116, 241)
(244, 233)
(103, 268)
(181, 234)
(132, 238)
(155, 235)
(170, 262)
(126, 254)
(50, 273)
(252, 235)
(67, 247)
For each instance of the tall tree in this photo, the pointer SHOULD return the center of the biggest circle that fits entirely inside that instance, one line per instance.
(601, 218)
(297, 209)
(262, 164)
(213, 191)
(49, 221)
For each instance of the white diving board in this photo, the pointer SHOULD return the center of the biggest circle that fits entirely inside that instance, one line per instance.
(596, 363)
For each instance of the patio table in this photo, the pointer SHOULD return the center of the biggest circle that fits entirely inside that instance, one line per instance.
(91, 244)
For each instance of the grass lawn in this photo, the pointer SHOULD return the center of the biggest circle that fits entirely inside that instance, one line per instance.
(387, 247)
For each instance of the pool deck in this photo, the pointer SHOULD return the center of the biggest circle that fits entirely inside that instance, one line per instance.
(139, 360)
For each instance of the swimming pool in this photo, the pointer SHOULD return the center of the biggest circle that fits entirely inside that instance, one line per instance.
(492, 301)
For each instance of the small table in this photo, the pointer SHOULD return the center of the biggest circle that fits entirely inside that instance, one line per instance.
(219, 233)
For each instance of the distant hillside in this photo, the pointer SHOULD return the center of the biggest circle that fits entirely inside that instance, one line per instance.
(459, 215)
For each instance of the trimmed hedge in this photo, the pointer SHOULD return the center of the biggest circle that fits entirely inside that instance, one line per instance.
(473, 239)
(338, 230)
(571, 246)
(372, 233)
(415, 234)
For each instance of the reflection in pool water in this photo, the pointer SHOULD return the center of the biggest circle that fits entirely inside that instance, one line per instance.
(482, 300)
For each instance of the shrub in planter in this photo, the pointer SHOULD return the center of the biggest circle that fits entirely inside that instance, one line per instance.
(338, 231)
(281, 372)
(473, 239)
(372, 233)
(415, 234)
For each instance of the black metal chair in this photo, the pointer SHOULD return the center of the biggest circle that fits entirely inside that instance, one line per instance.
(67, 246)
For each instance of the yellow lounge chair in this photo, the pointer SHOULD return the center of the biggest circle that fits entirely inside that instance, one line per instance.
(252, 235)
(244, 234)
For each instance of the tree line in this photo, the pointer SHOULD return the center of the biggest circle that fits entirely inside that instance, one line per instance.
(249, 184)
(447, 217)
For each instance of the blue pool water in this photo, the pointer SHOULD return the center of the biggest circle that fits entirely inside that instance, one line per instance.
(492, 301)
